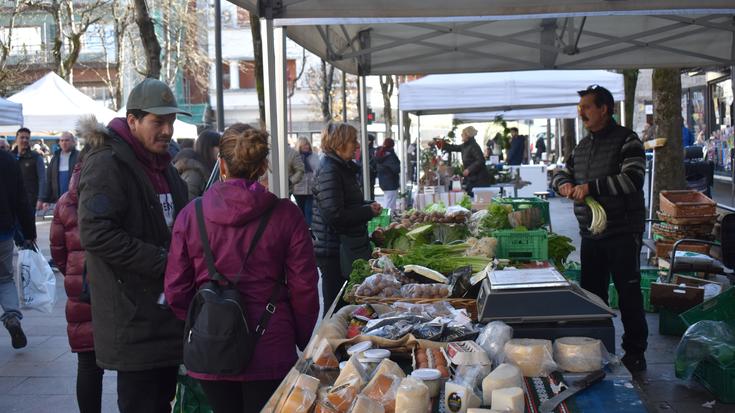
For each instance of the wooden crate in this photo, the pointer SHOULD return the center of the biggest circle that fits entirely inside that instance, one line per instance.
(663, 248)
(686, 204)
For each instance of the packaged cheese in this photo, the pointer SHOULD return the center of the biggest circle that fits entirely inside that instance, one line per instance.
(364, 404)
(299, 401)
(412, 397)
(352, 369)
(467, 353)
(578, 354)
(505, 375)
(510, 400)
(388, 367)
(382, 388)
(342, 396)
(324, 356)
(533, 356)
(459, 397)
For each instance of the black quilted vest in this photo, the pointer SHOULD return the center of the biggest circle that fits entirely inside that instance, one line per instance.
(599, 156)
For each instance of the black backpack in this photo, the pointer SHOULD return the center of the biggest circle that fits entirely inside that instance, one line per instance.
(217, 339)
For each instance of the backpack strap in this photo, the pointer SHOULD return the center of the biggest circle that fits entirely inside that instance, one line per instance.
(213, 273)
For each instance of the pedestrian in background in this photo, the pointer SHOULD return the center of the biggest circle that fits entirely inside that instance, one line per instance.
(341, 213)
(14, 208)
(32, 168)
(4, 145)
(129, 196)
(207, 147)
(232, 211)
(191, 169)
(303, 190)
(295, 167)
(389, 172)
(68, 255)
(59, 171)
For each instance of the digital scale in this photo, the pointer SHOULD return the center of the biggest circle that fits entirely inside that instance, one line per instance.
(536, 295)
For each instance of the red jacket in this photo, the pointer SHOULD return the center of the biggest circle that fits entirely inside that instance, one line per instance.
(232, 210)
(68, 256)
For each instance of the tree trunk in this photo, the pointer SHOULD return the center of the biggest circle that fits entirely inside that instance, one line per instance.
(149, 39)
(386, 87)
(327, 84)
(258, 66)
(630, 78)
(569, 138)
(669, 171)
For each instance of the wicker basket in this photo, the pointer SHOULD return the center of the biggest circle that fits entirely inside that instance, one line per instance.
(469, 304)
(705, 219)
(663, 249)
(680, 204)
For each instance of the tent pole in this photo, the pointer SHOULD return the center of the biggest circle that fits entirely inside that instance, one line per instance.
(271, 103)
(402, 140)
(218, 65)
(418, 152)
(362, 90)
(279, 34)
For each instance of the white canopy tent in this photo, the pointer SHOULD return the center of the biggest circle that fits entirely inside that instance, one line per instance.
(372, 37)
(11, 113)
(559, 112)
(504, 91)
(51, 105)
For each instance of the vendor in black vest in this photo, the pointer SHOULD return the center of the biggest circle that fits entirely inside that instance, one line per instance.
(609, 165)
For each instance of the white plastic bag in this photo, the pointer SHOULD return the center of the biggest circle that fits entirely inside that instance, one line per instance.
(36, 281)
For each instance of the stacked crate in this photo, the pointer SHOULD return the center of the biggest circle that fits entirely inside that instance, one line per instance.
(683, 214)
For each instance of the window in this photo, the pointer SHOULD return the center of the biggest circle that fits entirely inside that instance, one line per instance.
(99, 40)
(26, 40)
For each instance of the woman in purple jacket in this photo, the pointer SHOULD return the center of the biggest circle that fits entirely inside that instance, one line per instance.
(232, 210)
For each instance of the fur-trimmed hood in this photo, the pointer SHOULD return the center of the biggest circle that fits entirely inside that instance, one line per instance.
(186, 164)
(91, 131)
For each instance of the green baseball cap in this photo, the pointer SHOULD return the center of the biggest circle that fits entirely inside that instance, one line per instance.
(153, 96)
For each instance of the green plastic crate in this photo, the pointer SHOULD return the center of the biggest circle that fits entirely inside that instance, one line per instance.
(612, 294)
(670, 323)
(719, 308)
(522, 203)
(381, 221)
(530, 245)
(718, 379)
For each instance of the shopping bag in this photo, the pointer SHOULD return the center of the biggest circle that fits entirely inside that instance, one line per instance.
(36, 281)
(190, 397)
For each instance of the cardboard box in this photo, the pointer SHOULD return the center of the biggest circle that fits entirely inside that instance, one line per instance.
(674, 297)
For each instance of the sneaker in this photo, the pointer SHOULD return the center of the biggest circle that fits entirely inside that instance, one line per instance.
(635, 363)
(17, 336)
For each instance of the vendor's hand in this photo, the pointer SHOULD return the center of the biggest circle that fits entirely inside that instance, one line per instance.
(376, 208)
(39, 206)
(466, 172)
(566, 189)
(581, 191)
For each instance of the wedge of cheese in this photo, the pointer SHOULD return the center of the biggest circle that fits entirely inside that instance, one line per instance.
(510, 400)
(505, 375)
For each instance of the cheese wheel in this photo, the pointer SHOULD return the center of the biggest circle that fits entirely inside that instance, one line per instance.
(578, 354)
(412, 396)
(510, 400)
(533, 356)
(505, 375)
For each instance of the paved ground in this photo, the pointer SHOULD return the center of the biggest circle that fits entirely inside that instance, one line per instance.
(41, 377)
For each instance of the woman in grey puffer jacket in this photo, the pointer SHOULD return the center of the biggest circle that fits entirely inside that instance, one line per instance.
(302, 190)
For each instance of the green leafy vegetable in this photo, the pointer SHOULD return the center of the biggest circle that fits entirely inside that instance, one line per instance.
(360, 270)
(497, 217)
(466, 202)
(559, 249)
(599, 217)
(442, 258)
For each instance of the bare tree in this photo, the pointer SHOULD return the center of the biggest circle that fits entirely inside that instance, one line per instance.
(258, 66)
(386, 87)
(114, 68)
(72, 22)
(630, 79)
(327, 72)
(669, 171)
(184, 37)
(10, 72)
(151, 46)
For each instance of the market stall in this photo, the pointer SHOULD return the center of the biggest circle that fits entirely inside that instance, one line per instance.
(11, 113)
(430, 323)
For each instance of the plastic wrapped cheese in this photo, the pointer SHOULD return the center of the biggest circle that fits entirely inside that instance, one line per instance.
(532, 356)
(324, 356)
(386, 367)
(364, 404)
(458, 397)
(412, 396)
(510, 400)
(342, 396)
(299, 401)
(382, 388)
(505, 375)
(352, 369)
(578, 354)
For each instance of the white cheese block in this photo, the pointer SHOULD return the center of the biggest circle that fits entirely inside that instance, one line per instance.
(533, 356)
(505, 375)
(412, 397)
(458, 398)
(578, 354)
(510, 400)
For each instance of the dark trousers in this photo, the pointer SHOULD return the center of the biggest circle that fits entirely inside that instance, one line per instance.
(89, 383)
(238, 397)
(618, 256)
(146, 391)
(332, 279)
(305, 203)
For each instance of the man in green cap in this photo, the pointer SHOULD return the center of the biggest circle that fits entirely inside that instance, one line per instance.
(129, 195)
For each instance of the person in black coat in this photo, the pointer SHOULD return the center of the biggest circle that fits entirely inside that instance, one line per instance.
(389, 172)
(475, 173)
(341, 213)
(58, 173)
